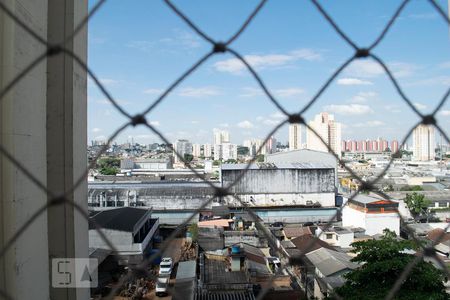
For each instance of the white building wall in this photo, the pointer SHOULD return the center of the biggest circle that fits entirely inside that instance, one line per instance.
(295, 136)
(325, 199)
(207, 150)
(353, 218)
(372, 223)
(376, 223)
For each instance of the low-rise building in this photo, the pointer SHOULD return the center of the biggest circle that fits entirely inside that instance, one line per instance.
(372, 213)
(336, 236)
(130, 230)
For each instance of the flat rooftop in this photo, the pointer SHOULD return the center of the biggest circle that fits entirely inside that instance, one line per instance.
(275, 166)
(215, 273)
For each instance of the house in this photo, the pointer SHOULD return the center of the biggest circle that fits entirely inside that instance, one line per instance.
(329, 266)
(130, 230)
(336, 236)
(372, 213)
(293, 232)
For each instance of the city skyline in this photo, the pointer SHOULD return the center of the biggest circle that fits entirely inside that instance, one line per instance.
(222, 94)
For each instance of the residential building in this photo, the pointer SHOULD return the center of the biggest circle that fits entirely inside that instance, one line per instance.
(182, 147)
(196, 150)
(295, 136)
(336, 236)
(423, 143)
(394, 146)
(374, 214)
(130, 230)
(329, 268)
(207, 150)
(229, 151)
(221, 136)
(328, 129)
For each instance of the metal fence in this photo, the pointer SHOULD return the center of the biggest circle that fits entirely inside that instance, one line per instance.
(218, 47)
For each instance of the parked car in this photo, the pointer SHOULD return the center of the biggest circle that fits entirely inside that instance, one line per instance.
(165, 267)
(162, 283)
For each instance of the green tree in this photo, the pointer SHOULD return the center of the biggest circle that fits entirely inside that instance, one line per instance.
(382, 261)
(260, 158)
(414, 188)
(193, 230)
(108, 165)
(231, 161)
(188, 157)
(417, 204)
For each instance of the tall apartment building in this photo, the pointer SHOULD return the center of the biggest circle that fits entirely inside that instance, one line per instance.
(394, 146)
(423, 143)
(225, 151)
(295, 136)
(255, 146)
(328, 129)
(207, 150)
(221, 136)
(197, 150)
(182, 147)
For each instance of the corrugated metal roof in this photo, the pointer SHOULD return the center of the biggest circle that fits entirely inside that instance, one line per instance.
(186, 270)
(237, 295)
(121, 219)
(277, 165)
(330, 262)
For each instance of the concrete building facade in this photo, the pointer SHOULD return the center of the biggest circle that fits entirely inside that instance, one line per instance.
(295, 136)
(269, 184)
(371, 213)
(328, 129)
(424, 143)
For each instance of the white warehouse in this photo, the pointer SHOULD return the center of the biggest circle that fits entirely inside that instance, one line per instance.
(281, 184)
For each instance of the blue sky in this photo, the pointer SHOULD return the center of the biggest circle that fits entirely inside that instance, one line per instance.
(138, 48)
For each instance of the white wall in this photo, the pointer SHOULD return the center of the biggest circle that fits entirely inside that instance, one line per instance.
(325, 199)
(373, 223)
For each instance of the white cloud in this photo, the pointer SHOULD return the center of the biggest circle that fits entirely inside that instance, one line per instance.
(419, 106)
(100, 138)
(392, 108)
(362, 97)
(271, 122)
(251, 92)
(424, 16)
(288, 92)
(353, 81)
(153, 91)
(195, 122)
(440, 80)
(364, 68)
(109, 81)
(374, 123)
(371, 69)
(234, 65)
(282, 93)
(445, 112)
(224, 125)
(96, 130)
(278, 115)
(145, 46)
(246, 125)
(348, 109)
(445, 65)
(199, 92)
(154, 123)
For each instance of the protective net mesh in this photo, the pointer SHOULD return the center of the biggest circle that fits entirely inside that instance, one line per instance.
(219, 47)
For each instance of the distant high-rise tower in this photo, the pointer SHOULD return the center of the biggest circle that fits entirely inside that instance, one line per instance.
(328, 129)
(295, 136)
(182, 147)
(221, 136)
(423, 143)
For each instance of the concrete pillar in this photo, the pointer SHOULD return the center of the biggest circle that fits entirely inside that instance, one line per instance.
(66, 136)
(43, 124)
(22, 133)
